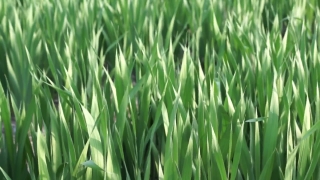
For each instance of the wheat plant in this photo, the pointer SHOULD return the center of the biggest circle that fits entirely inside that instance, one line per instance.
(142, 89)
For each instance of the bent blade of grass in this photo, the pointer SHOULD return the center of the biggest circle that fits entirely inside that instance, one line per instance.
(256, 119)
(95, 143)
(91, 164)
(81, 159)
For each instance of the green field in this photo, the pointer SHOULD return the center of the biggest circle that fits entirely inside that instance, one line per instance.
(160, 89)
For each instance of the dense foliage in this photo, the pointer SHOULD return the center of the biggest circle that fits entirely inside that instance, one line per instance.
(165, 89)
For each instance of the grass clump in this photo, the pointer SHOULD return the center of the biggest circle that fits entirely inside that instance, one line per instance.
(117, 89)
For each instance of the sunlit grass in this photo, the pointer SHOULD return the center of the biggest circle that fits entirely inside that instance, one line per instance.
(142, 89)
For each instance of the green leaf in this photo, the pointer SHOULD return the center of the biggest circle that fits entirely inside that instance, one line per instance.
(95, 141)
(5, 174)
(42, 154)
(188, 160)
(271, 131)
(256, 119)
(81, 159)
(92, 165)
(237, 154)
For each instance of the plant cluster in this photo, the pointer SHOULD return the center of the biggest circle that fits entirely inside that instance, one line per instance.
(142, 89)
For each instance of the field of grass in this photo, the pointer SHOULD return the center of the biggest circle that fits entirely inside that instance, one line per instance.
(159, 89)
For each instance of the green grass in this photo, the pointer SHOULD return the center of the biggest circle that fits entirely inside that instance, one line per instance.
(141, 89)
